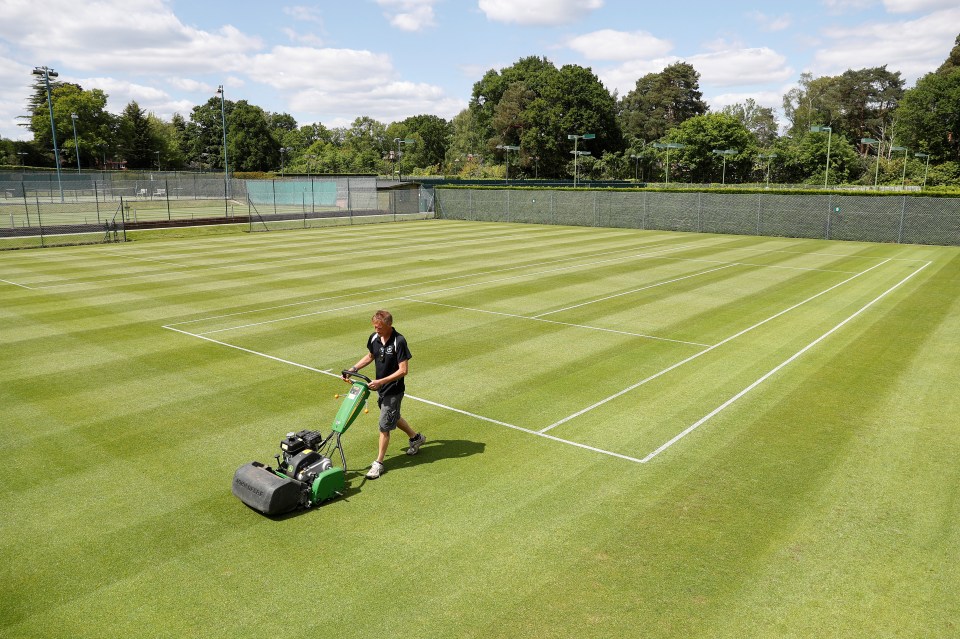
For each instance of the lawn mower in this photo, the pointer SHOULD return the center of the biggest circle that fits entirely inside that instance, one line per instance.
(304, 475)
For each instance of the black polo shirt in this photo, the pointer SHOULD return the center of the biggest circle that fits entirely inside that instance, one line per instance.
(387, 358)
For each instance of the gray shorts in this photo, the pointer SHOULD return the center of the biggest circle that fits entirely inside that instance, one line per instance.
(389, 411)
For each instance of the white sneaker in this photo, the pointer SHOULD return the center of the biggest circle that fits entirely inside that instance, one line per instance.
(376, 469)
(416, 443)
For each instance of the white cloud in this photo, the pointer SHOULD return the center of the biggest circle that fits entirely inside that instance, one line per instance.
(909, 6)
(538, 12)
(333, 85)
(129, 35)
(304, 14)
(741, 67)
(608, 44)
(913, 47)
(410, 15)
(770, 23)
(770, 99)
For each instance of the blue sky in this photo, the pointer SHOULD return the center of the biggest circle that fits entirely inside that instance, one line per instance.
(335, 60)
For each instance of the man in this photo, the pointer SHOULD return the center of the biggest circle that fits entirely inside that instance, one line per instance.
(389, 350)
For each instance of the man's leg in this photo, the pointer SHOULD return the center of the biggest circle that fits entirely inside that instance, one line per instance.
(384, 442)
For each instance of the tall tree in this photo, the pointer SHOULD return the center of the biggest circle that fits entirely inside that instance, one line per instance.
(953, 60)
(661, 101)
(205, 133)
(701, 135)
(139, 139)
(759, 120)
(95, 126)
(251, 142)
(929, 115)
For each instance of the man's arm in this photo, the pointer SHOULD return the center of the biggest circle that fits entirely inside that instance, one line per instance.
(400, 372)
(366, 359)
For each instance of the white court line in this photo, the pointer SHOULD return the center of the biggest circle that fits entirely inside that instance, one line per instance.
(400, 286)
(636, 290)
(537, 319)
(20, 285)
(773, 371)
(703, 352)
(439, 290)
(415, 398)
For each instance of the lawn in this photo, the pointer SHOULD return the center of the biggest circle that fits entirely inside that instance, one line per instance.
(629, 433)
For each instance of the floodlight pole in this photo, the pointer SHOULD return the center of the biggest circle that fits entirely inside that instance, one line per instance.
(506, 148)
(576, 155)
(76, 146)
(924, 155)
(223, 118)
(636, 166)
(47, 73)
(769, 159)
(829, 130)
(903, 178)
(871, 142)
(667, 146)
(400, 141)
(725, 153)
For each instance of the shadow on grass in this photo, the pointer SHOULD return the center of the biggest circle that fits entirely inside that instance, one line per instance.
(433, 450)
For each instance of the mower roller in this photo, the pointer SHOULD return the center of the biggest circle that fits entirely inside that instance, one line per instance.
(304, 475)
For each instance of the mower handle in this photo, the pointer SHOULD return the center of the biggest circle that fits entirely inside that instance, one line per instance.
(348, 373)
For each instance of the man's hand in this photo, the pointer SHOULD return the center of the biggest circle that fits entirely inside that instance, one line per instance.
(374, 385)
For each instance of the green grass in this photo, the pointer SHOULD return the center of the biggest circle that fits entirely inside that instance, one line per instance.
(823, 502)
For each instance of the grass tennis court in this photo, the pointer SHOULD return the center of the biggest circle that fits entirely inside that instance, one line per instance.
(630, 433)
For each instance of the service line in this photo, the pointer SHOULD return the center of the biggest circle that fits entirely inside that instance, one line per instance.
(704, 351)
(774, 370)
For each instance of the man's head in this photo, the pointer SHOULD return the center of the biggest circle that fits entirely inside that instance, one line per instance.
(382, 323)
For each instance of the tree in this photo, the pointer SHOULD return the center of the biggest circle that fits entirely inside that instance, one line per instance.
(953, 60)
(534, 105)
(431, 134)
(760, 121)
(251, 141)
(661, 101)
(701, 135)
(95, 126)
(929, 116)
(140, 137)
(205, 133)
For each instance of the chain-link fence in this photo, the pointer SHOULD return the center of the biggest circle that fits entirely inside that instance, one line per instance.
(101, 208)
(906, 219)
(299, 204)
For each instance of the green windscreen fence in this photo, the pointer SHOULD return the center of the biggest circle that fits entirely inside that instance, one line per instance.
(903, 219)
(293, 193)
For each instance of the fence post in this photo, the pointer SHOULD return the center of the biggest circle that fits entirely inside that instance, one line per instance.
(759, 208)
(508, 205)
(829, 208)
(273, 189)
(40, 222)
(596, 211)
(903, 212)
(96, 196)
(643, 221)
(699, 212)
(26, 206)
(166, 196)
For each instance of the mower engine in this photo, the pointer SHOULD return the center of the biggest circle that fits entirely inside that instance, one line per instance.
(305, 475)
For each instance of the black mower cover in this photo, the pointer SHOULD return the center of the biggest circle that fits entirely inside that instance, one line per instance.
(265, 491)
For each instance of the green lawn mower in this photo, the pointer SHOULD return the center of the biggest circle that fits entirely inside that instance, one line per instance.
(305, 475)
